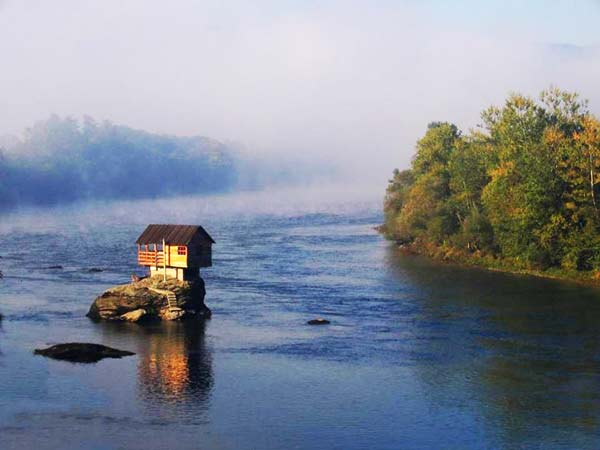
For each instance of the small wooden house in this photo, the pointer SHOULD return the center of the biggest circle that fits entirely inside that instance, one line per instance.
(176, 251)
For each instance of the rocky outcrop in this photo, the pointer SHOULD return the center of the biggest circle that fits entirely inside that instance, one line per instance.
(81, 352)
(152, 298)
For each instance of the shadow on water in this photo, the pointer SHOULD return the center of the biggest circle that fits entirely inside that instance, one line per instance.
(174, 371)
(525, 349)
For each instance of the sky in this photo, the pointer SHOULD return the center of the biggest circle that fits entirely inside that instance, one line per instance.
(352, 83)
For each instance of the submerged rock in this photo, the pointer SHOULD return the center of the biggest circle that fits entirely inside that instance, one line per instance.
(151, 296)
(318, 321)
(81, 352)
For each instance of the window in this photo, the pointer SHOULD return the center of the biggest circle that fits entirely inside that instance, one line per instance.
(182, 250)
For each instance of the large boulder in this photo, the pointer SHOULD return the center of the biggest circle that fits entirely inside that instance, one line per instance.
(150, 295)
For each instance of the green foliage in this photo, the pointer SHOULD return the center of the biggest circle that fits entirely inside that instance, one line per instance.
(525, 188)
(435, 148)
(397, 191)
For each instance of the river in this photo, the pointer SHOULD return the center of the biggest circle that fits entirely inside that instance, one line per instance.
(419, 355)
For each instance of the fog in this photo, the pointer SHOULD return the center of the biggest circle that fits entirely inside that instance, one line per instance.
(282, 203)
(350, 83)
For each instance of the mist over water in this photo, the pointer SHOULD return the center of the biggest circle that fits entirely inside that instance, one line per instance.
(280, 201)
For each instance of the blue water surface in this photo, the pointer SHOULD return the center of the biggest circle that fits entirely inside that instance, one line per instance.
(419, 355)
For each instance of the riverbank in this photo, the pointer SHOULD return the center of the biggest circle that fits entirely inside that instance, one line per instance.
(480, 260)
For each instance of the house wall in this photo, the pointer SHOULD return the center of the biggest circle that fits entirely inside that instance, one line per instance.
(174, 259)
(199, 253)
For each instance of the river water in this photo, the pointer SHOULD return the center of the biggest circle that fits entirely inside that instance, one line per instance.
(419, 355)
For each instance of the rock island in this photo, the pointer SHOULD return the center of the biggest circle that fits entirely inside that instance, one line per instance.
(174, 290)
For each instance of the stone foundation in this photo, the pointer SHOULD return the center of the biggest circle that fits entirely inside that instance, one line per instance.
(146, 299)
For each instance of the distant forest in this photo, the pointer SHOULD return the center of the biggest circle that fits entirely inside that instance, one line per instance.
(62, 160)
(521, 192)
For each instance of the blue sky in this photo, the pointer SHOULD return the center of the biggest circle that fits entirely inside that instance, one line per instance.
(574, 22)
(556, 21)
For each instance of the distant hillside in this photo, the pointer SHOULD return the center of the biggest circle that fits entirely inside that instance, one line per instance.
(64, 160)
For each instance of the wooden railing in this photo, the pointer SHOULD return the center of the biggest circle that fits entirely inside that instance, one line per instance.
(150, 258)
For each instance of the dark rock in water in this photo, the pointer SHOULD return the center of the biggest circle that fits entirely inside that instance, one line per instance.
(318, 321)
(54, 267)
(95, 270)
(147, 299)
(81, 353)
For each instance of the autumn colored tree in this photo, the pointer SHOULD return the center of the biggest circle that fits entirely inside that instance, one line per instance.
(424, 208)
(526, 187)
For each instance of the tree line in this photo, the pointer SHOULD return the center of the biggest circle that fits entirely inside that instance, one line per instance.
(62, 160)
(523, 188)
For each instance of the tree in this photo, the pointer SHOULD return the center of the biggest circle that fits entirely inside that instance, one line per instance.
(395, 198)
(468, 169)
(417, 204)
(524, 190)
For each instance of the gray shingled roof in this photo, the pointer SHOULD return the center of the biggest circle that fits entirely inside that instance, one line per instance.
(172, 234)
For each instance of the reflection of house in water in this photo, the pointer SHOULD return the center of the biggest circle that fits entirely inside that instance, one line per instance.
(175, 366)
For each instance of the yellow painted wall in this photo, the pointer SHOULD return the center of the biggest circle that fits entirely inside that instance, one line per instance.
(174, 259)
